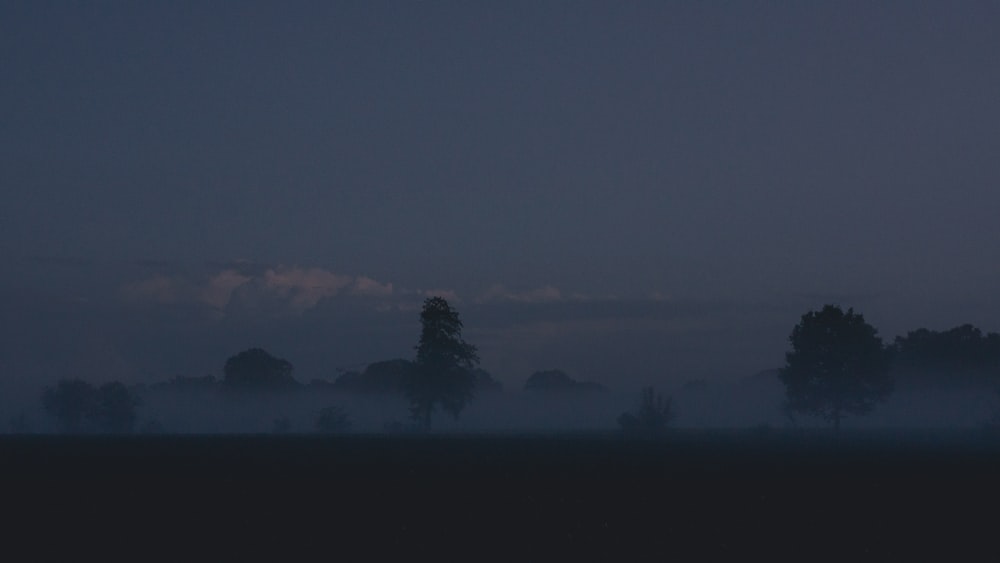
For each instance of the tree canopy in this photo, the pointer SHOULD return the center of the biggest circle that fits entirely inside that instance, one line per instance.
(256, 369)
(837, 365)
(961, 355)
(444, 364)
(79, 406)
(70, 402)
(385, 377)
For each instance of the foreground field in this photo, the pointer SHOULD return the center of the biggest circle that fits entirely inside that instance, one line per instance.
(540, 497)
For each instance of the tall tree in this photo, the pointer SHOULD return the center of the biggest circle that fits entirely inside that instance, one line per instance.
(837, 365)
(444, 364)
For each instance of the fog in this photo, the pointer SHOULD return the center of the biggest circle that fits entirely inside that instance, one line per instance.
(750, 403)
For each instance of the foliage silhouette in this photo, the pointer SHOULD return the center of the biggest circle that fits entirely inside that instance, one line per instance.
(652, 417)
(255, 369)
(386, 377)
(444, 364)
(961, 355)
(74, 402)
(837, 366)
(70, 402)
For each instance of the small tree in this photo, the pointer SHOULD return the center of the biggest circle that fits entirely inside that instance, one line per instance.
(837, 366)
(652, 416)
(444, 364)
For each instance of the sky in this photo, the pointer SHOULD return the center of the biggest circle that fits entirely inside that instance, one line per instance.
(634, 192)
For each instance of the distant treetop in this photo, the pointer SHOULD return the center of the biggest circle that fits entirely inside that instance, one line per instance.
(255, 369)
(960, 355)
(386, 377)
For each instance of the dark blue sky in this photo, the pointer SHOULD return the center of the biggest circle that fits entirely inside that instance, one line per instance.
(632, 192)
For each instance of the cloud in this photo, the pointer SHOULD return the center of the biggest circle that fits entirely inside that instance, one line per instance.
(220, 287)
(304, 287)
(366, 286)
(542, 294)
(250, 286)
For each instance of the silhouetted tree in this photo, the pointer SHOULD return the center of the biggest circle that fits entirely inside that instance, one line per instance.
(837, 365)
(70, 402)
(332, 419)
(114, 409)
(255, 369)
(652, 416)
(444, 364)
(386, 377)
(961, 355)
(78, 406)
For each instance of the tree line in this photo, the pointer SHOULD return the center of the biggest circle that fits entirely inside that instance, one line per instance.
(837, 367)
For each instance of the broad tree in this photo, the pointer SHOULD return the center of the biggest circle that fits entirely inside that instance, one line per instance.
(444, 364)
(838, 366)
(79, 406)
(256, 369)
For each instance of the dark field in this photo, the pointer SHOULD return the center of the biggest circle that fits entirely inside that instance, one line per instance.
(552, 497)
